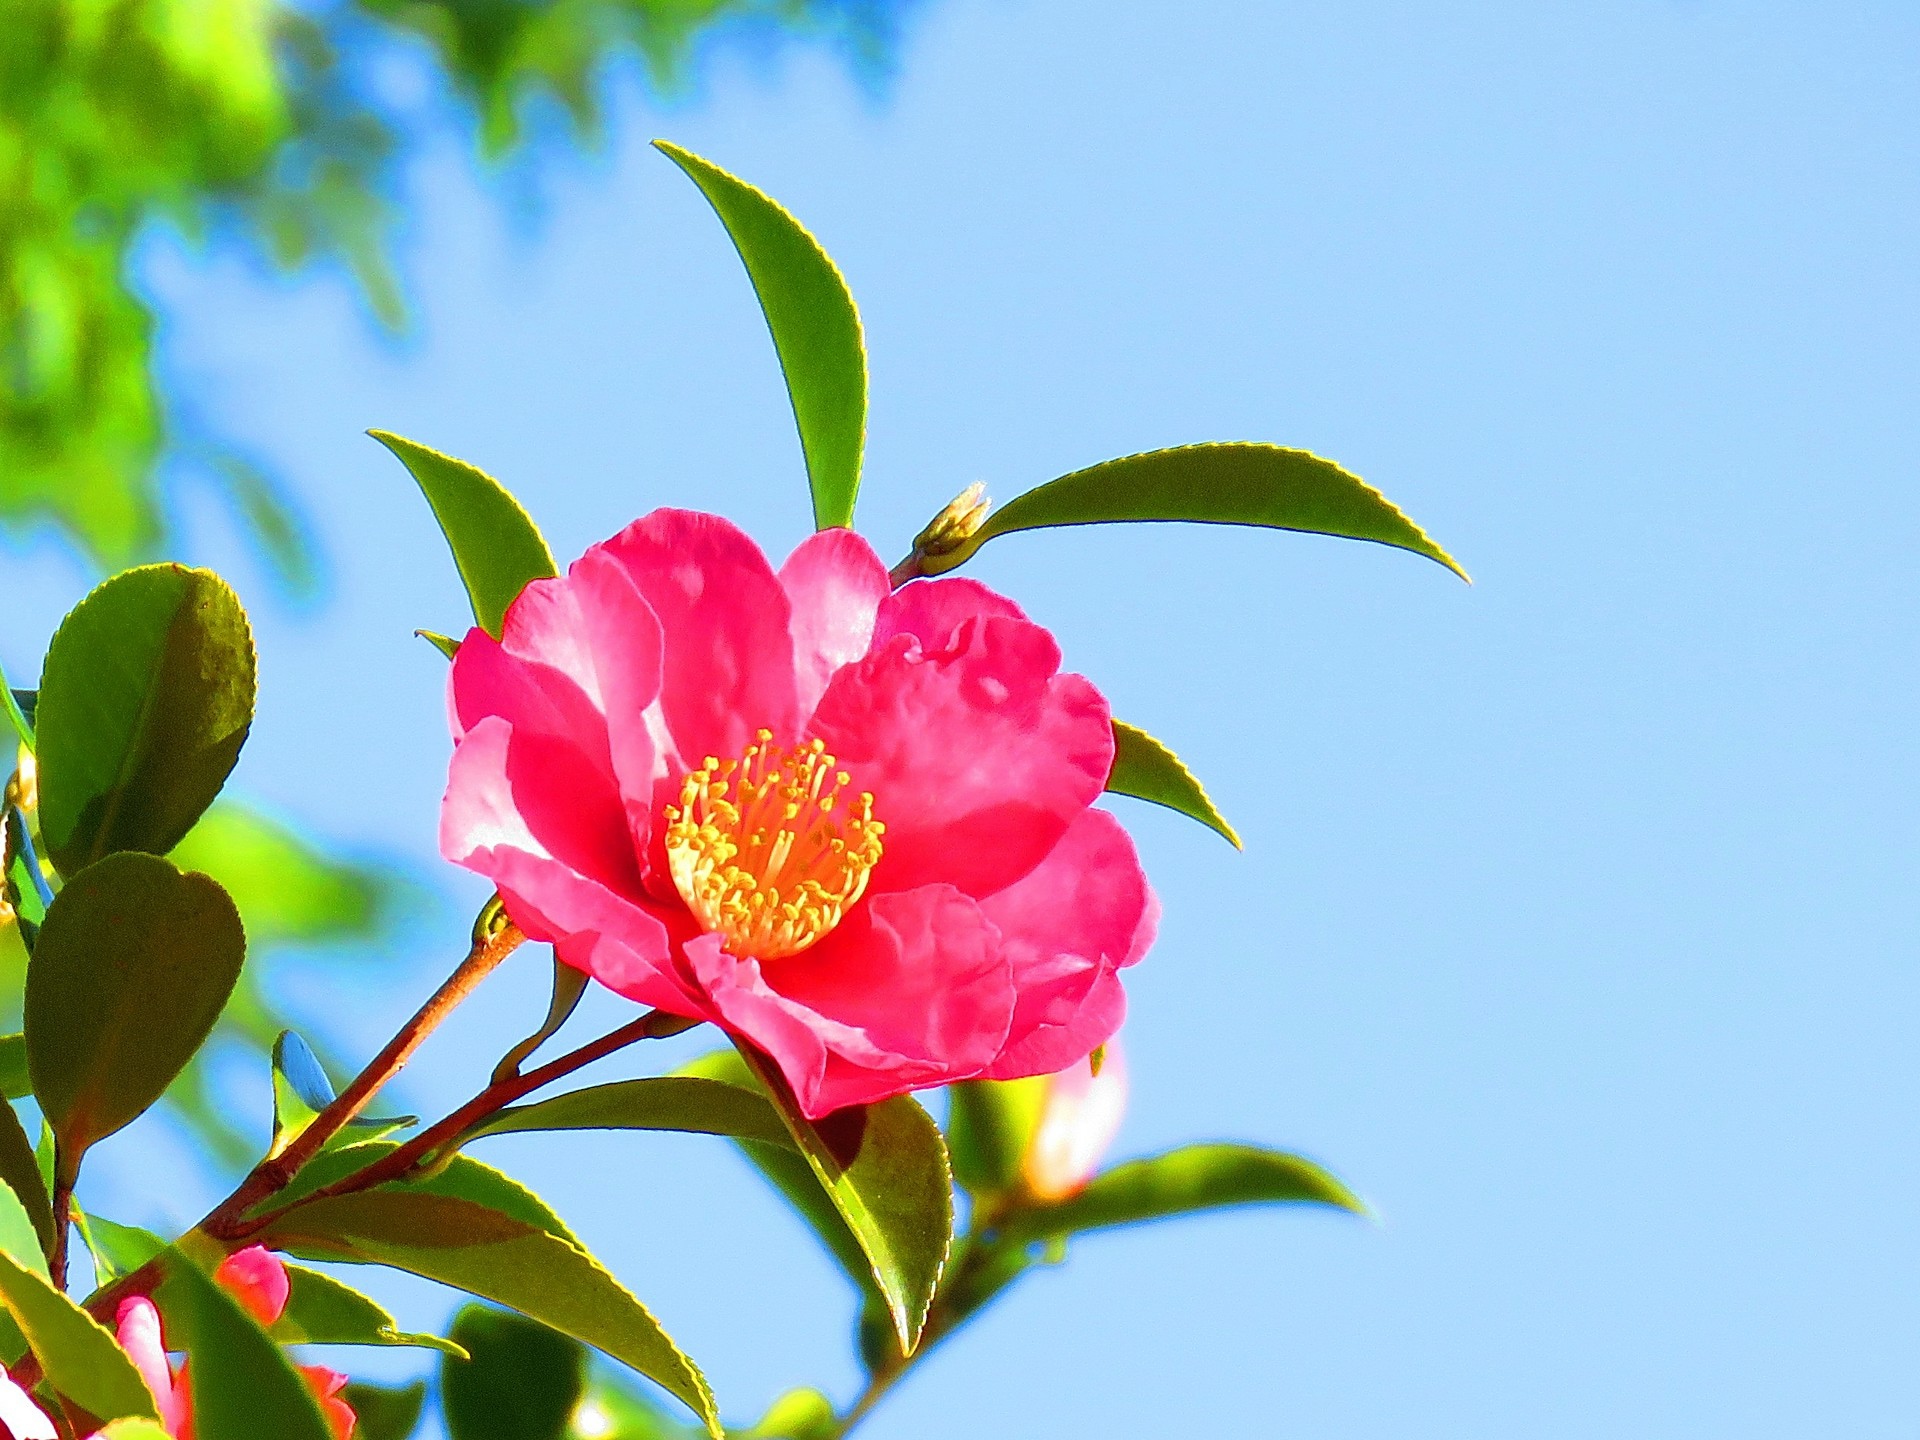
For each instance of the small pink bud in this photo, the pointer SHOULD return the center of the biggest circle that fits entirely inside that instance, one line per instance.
(1078, 1119)
(257, 1278)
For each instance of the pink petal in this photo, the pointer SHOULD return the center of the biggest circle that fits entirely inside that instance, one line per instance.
(140, 1336)
(979, 755)
(836, 585)
(627, 647)
(326, 1386)
(727, 667)
(20, 1416)
(1069, 927)
(256, 1278)
(931, 610)
(1078, 1121)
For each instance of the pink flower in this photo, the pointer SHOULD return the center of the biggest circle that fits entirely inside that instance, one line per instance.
(850, 824)
(1078, 1119)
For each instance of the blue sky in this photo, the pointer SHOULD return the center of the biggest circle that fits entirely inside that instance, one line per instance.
(1576, 921)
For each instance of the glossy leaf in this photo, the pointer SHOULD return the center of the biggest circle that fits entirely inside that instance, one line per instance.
(14, 1080)
(569, 985)
(496, 546)
(522, 1381)
(127, 979)
(815, 327)
(386, 1412)
(1147, 770)
(78, 1357)
(668, 1102)
(21, 1172)
(145, 700)
(1181, 1182)
(990, 1125)
(885, 1169)
(324, 1311)
(511, 1252)
(1217, 484)
(120, 1249)
(244, 1385)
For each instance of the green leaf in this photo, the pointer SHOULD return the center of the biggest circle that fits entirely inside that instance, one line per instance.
(134, 1430)
(797, 1415)
(885, 1169)
(445, 644)
(244, 1386)
(121, 1249)
(522, 1382)
(14, 1081)
(815, 326)
(497, 1254)
(569, 985)
(15, 712)
(324, 1311)
(990, 1126)
(145, 700)
(79, 1358)
(1147, 770)
(496, 546)
(129, 974)
(288, 890)
(1192, 1178)
(386, 1413)
(301, 1090)
(18, 1235)
(1220, 484)
(21, 1172)
(666, 1102)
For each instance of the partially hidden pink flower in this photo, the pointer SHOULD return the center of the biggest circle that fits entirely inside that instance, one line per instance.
(1079, 1117)
(852, 825)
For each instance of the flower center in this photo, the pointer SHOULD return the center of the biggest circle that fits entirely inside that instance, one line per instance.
(769, 850)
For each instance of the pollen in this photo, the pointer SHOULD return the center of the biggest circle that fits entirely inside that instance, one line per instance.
(769, 851)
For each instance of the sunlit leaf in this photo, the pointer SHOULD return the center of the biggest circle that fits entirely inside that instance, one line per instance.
(797, 1415)
(1193, 1178)
(496, 546)
(145, 700)
(1147, 770)
(667, 1102)
(521, 1382)
(324, 1311)
(15, 712)
(127, 979)
(301, 1090)
(815, 326)
(1218, 484)
(121, 1249)
(21, 1173)
(78, 1356)
(990, 1124)
(445, 644)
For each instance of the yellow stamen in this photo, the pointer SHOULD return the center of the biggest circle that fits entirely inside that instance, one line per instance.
(763, 850)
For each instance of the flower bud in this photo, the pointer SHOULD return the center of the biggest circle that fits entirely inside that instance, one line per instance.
(1078, 1119)
(946, 532)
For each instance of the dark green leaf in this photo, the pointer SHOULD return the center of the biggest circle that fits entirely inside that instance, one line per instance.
(1220, 484)
(496, 546)
(1195, 1177)
(78, 1357)
(129, 974)
(667, 1102)
(14, 1082)
(1147, 770)
(990, 1125)
(21, 1172)
(323, 1311)
(522, 1382)
(384, 1413)
(244, 1386)
(289, 890)
(145, 700)
(884, 1167)
(815, 326)
(569, 985)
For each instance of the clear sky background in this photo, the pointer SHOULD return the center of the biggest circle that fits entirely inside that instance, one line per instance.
(1576, 925)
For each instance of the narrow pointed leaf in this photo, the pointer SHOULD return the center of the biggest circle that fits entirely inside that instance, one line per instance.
(15, 712)
(445, 644)
(667, 1102)
(815, 326)
(78, 1356)
(145, 700)
(21, 1172)
(1217, 484)
(1147, 770)
(129, 974)
(324, 1311)
(569, 985)
(521, 1382)
(1181, 1182)
(496, 546)
(885, 1169)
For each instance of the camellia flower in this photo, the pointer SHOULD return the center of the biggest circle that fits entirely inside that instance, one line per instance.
(851, 824)
(1078, 1119)
(255, 1277)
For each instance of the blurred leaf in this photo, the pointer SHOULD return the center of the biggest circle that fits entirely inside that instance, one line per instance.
(1192, 1178)
(15, 705)
(797, 1415)
(815, 326)
(990, 1125)
(616, 1411)
(129, 974)
(289, 891)
(1218, 484)
(301, 1090)
(244, 1386)
(569, 985)
(324, 1311)
(667, 1102)
(78, 1357)
(884, 1168)
(19, 1237)
(21, 1172)
(13, 1067)
(145, 701)
(522, 1382)
(1147, 770)
(384, 1412)
(121, 1249)
(496, 546)
(133, 1430)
